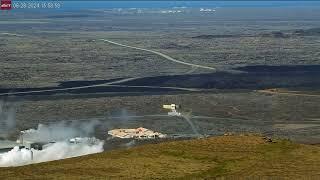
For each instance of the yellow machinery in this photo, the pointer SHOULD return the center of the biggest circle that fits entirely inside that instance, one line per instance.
(173, 108)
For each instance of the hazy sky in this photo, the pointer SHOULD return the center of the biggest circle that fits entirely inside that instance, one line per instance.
(163, 4)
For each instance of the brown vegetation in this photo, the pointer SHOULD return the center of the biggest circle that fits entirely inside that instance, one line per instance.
(225, 156)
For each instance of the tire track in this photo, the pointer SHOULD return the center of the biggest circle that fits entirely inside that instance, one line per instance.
(160, 54)
(288, 93)
(109, 84)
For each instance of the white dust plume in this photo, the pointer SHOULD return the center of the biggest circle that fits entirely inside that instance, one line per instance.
(58, 140)
(50, 152)
(60, 131)
(7, 118)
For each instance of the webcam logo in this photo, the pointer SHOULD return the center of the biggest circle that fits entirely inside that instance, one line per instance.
(5, 4)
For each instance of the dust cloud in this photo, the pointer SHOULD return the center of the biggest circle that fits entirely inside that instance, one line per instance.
(7, 118)
(54, 151)
(60, 131)
(59, 140)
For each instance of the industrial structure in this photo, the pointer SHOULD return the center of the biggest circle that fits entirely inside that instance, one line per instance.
(139, 133)
(173, 108)
(37, 145)
(6, 145)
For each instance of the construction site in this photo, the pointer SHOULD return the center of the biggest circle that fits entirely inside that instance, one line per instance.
(138, 133)
(144, 133)
(76, 138)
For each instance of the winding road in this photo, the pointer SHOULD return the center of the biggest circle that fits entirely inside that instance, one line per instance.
(160, 54)
(109, 84)
(11, 34)
(289, 93)
(116, 83)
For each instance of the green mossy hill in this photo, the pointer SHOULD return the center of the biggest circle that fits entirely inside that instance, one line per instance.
(224, 156)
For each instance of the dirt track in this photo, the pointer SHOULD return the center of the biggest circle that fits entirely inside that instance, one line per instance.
(289, 93)
(161, 54)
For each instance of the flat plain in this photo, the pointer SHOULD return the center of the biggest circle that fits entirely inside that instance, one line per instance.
(55, 67)
(251, 49)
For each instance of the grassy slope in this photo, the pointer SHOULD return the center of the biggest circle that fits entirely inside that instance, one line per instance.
(229, 156)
